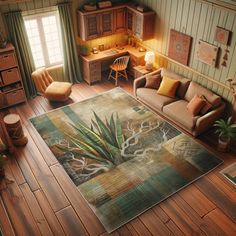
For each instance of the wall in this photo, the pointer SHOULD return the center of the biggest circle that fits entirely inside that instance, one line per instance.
(198, 20)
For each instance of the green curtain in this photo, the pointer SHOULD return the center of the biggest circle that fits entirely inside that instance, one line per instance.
(19, 39)
(71, 61)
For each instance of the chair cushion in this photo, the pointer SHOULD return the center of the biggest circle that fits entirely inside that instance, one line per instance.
(183, 85)
(168, 87)
(118, 67)
(150, 97)
(153, 81)
(195, 88)
(58, 91)
(178, 112)
(195, 105)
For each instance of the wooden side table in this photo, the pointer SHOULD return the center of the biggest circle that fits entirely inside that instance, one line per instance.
(14, 129)
(140, 71)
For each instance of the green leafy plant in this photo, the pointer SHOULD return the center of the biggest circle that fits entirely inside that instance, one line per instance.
(226, 129)
(100, 142)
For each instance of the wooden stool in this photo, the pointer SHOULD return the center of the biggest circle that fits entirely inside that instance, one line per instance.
(14, 129)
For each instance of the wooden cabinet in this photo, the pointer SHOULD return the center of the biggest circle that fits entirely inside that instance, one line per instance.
(91, 71)
(92, 28)
(95, 25)
(133, 62)
(119, 20)
(106, 23)
(11, 86)
(141, 24)
(124, 18)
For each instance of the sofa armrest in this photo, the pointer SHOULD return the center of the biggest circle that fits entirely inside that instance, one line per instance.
(140, 82)
(208, 119)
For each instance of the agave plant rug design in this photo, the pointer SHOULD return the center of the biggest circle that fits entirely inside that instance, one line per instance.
(122, 157)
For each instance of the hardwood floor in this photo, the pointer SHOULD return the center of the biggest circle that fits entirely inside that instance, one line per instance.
(38, 198)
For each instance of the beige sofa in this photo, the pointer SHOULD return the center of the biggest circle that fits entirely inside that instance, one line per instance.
(175, 109)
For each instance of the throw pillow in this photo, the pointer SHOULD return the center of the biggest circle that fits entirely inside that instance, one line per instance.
(153, 81)
(206, 107)
(168, 87)
(195, 105)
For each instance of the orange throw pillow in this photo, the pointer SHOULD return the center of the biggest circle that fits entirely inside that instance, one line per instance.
(195, 105)
(168, 87)
(153, 81)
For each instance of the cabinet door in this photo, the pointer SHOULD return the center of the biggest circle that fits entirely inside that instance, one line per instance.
(92, 26)
(130, 21)
(119, 20)
(106, 23)
(138, 26)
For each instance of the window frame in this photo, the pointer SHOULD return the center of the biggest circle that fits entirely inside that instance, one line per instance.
(38, 17)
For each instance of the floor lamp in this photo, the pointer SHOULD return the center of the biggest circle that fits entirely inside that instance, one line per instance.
(232, 86)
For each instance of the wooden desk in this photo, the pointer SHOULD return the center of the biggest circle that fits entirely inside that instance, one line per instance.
(141, 70)
(92, 64)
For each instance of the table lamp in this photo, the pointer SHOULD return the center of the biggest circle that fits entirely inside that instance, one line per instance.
(149, 58)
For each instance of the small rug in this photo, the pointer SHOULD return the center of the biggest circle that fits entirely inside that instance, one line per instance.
(230, 173)
(122, 157)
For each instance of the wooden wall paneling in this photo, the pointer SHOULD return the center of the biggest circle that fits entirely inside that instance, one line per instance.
(18, 211)
(5, 222)
(179, 15)
(36, 210)
(81, 207)
(71, 222)
(48, 212)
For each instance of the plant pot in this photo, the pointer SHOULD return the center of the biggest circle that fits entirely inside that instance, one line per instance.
(223, 144)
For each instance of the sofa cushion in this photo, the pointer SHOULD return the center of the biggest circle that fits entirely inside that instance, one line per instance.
(195, 105)
(184, 83)
(178, 112)
(206, 107)
(153, 81)
(150, 97)
(195, 88)
(168, 87)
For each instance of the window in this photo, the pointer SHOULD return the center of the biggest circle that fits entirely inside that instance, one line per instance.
(45, 43)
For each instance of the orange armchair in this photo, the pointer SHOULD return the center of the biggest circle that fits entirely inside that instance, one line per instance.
(50, 89)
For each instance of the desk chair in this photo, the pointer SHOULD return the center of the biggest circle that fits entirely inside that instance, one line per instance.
(119, 66)
(50, 89)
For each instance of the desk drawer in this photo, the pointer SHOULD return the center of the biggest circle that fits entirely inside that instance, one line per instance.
(7, 60)
(10, 76)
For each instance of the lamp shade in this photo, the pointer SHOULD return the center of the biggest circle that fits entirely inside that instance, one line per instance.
(149, 57)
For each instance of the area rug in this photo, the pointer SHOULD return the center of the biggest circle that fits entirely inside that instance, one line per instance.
(122, 157)
(230, 173)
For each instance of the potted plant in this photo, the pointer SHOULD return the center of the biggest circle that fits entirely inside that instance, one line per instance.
(3, 40)
(3, 160)
(227, 131)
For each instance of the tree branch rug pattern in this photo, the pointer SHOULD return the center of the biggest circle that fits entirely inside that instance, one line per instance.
(122, 157)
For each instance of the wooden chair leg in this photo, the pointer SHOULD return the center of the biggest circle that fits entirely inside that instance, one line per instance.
(125, 75)
(116, 77)
(110, 75)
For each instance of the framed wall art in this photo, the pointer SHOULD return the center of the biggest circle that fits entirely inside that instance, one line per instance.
(179, 46)
(207, 53)
(222, 35)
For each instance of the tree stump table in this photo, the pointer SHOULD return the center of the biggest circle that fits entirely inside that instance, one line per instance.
(14, 129)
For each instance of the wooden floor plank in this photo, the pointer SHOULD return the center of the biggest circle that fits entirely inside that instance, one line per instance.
(154, 224)
(222, 221)
(219, 198)
(139, 227)
(5, 223)
(18, 211)
(48, 213)
(36, 210)
(71, 222)
(174, 228)
(197, 200)
(81, 207)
